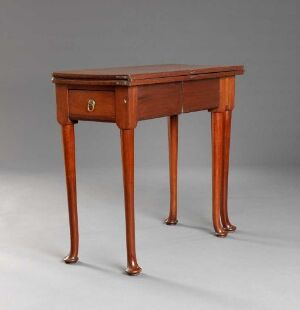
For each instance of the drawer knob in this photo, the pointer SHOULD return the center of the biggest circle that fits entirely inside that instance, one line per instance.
(91, 105)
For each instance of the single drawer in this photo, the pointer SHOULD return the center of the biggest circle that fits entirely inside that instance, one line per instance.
(92, 105)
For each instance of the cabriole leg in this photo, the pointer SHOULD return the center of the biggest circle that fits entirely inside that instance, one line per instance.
(68, 137)
(224, 210)
(173, 159)
(127, 147)
(217, 122)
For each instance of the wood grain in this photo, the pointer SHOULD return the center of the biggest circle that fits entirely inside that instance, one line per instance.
(127, 150)
(226, 150)
(173, 163)
(143, 75)
(159, 100)
(143, 72)
(158, 80)
(62, 107)
(126, 107)
(104, 108)
(200, 95)
(217, 127)
(68, 138)
(226, 94)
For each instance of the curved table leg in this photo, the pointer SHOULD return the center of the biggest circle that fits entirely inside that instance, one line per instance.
(68, 137)
(217, 126)
(224, 210)
(173, 159)
(127, 146)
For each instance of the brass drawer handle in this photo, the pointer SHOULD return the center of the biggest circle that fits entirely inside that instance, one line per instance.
(91, 105)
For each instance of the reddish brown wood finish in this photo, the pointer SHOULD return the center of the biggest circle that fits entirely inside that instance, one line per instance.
(217, 128)
(149, 81)
(159, 100)
(127, 146)
(69, 155)
(226, 147)
(173, 158)
(221, 131)
(127, 95)
(104, 109)
(126, 107)
(200, 95)
(135, 73)
(62, 107)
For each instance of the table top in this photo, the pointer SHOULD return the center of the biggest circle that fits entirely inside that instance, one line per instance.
(138, 74)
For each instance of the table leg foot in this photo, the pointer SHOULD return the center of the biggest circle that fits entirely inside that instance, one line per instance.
(221, 233)
(71, 259)
(229, 228)
(133, 270)
(169, 221)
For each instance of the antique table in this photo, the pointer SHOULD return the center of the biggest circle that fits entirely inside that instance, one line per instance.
(128, 95)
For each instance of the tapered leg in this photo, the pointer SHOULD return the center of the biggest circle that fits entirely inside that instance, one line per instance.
(173, 158)
(217, 122)
(224, 210)
(69, 155)
(127, 146)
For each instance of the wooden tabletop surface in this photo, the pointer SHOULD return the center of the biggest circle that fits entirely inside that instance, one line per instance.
(135, 73)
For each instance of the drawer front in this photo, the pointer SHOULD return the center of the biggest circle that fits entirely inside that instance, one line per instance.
(159, 100)
(201, 95)
(92, 105)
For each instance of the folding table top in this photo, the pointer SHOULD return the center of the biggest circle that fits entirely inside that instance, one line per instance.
(137, 75)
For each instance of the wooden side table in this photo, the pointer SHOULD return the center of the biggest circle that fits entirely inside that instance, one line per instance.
(127, 95)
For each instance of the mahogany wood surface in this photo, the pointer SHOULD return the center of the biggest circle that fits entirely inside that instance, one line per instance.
(165, 96)
(143, 72)
(104, 109)
(126, 107)
(128, 95)
(69, 155)
(226, 106)
(173, 158)
(127, 147)
(62, 106)
(159, 80)
(200, 95)
(217, 128)
(226, 146)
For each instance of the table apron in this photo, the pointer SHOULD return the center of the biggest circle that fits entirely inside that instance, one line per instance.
(150, 101)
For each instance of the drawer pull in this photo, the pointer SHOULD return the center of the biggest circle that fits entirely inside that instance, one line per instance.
(91, 105)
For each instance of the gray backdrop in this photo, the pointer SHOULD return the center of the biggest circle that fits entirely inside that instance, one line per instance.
(38, 37)
(184, 266)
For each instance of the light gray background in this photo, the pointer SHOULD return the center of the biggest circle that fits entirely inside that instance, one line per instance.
(185, 267)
